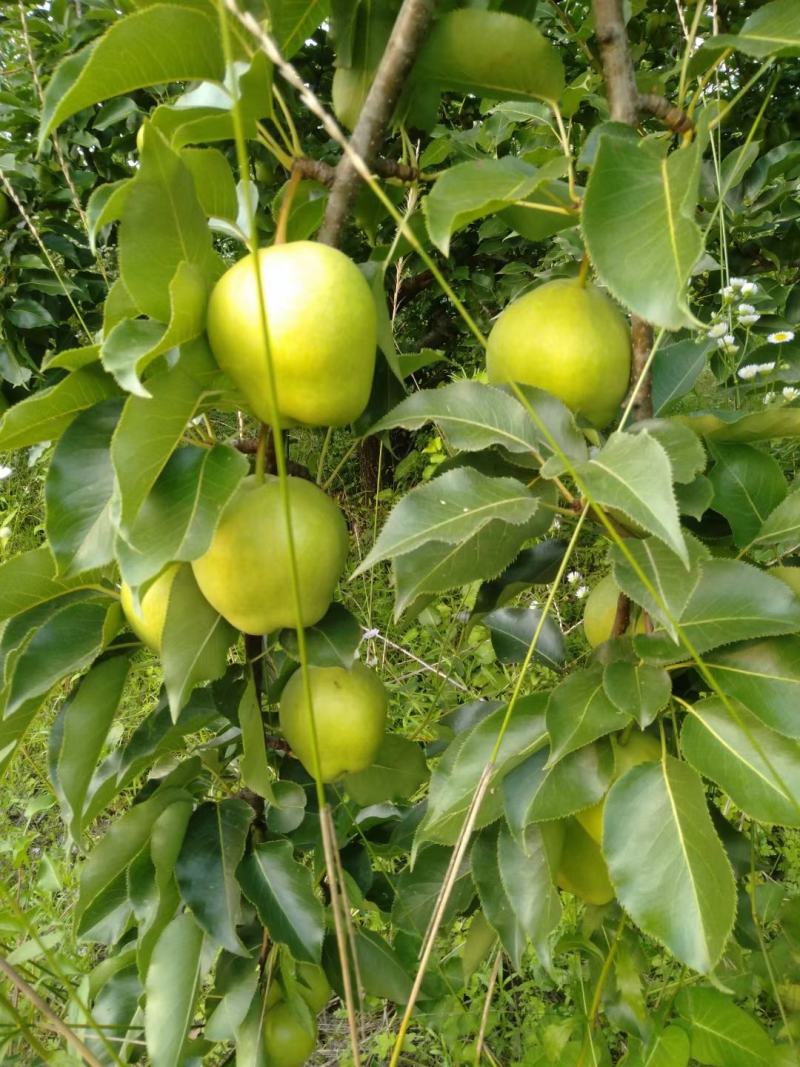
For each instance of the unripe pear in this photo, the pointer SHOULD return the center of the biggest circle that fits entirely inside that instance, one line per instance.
(148, 622)
(349, 716)
(322, 329)
(600, 612)
(287, 1043)
(789, 575)
(568, 339)
(246, 572)
(639, 748)
(583, 869)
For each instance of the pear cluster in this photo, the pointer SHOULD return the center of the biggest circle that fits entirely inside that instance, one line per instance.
(294, 328)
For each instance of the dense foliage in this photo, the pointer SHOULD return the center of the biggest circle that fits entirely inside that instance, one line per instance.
(593, 826)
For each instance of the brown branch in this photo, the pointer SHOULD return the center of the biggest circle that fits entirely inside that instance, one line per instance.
(319, 171)
(404, 42)
(623, 102)
(672, 117)
(623, 616)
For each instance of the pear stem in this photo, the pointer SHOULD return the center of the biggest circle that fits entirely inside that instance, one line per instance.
(583, 271)
(286, 207)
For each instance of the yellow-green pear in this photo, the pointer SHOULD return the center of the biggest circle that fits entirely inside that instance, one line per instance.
(789, 575)
(349, 714)
(246, 573)
(600, 612)
(583, 869)
(287, 1043)
(568, 339)
(322, 328)
(313, 986)
(148, 622)
(639, 748)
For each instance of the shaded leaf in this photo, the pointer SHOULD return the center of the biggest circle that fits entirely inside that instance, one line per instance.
(418, 887)
(748, 485)
(675, 370)
(512, 630)
(721, 1033)
(494, 896)
(669, 585)
(579, 711)
(533, 566)
(47, 413)
(397, 771)
(332, 642)
(534, 792)
(640, 690)
(172, 984)
(765, 677)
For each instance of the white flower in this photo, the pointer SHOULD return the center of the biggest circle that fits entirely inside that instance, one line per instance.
(745, 309)
(556, 523)
(5, 472)
(766, 368)
(728, 343)
(790, 393)
(719, 329)
(5, 533)
(747, 314)
(739, 283)
(573, 577)
(770, 397)
(749, 289)
(748, 371)
(749, 320)
(727, 293)
(780, 337)
(581, 591)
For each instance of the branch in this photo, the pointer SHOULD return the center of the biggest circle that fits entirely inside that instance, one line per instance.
(672, 117)
(395, 65)
(624, 103)
(325, 174)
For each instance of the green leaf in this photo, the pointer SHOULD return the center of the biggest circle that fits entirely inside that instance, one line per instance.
(494, 896)
(782, 525)
(686, 454)
(672, 583)
(292, 21)
(177, 520)
(512, 631)
(695, 498)
(79, 490)
(579, 711)
(417, 889)
(30, 579)
(765, 677)
(150, 427)
(774, 29)
(732, 602)
(79, 734)
(757, 768)
(166, 256)
(534, 218)
(135, 52)
(206, 868)
(166, 839)
(332, 642)
(105, 206)
(534, 792)
(748, 485)
(114, 1010)
(675, 370)
(45, 415)
(646, 263)
(457, 774)
(398, 770)
(657, 833)
(381, 968)
(632, 474)
(721, 1033)
(745, 426)
(213, 181)
(524, 866)
(452, 508)
(533, 566)
(102, 883)
(172, 985)
(668, 1048)
(281, 890)
(224, 1022)
(472, 416)
(195, 642)
(471, 190)
(253, 765)
(640, 690)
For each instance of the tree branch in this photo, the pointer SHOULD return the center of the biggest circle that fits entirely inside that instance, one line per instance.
(320, 171)
(624, 103)
(404, 43)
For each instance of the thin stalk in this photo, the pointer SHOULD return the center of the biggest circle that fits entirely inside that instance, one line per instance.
(324, 454)
(487, 1003)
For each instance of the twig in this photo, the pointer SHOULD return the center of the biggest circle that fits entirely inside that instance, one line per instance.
(672, 117)
(320, 171)
(623, 101)
(479, 1046)
(404, 42)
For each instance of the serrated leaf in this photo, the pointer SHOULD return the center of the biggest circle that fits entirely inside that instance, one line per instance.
(695, 917)
(686, 454)
(79, 489)
(675, 370)
(745, 426)
(579, 711)
(525, 874)
(632, 473)
(166, 838)
(494, 897)
(381, 967)
(79, 735)
(213, 181)
(533, 566)
(253, 765)
(765, 677)
(646, 265)
(457, 774)
(417, 890)
(721, 1033)
(397, 771)
(695, 498)
(748, 485)
(774, 29)
(292, 21)
(281, 890)
(731, 602)
(332, 642)
(640, 690)
(782, 525)
(178, 518)
(195, 641)
(469, 191)
(206, 868)
(45, 415)
(757, 768)
(450, 509)
(30, 579)
(135, 52)
(172, 985)
(512, 630)
(535, 792)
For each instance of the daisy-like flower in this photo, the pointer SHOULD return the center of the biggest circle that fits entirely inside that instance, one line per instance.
(790, 393)
(747, 314)
(573, 577)
(727, 293)
(581, 591)
(5, 472)
(749, 289)
(770, 397)
(728, 343)
(738, 283)
(766, 368)
(780, 337)
(719, 329)
(748, 371)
